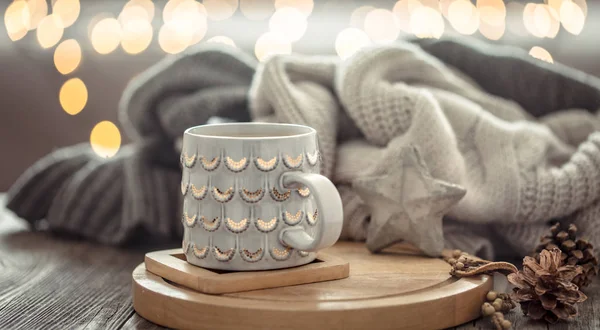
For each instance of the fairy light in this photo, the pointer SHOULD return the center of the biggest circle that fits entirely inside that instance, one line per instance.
(529, 20)
(541, 54)
(133, 13)
(357, 18)
(257, 9)
(289, 22)
(38, 9)
(190, 17)
(173, 39)
(463, 17)
(271, 43)
(542, 20)
(222, 40)
(146, 5)
(492, 12)
(16, 20)
(67, 56)
(426, 22)
(381, 25)
(106, 35)
(49, 31)
(73, 96)
(67, 10)
(403, 10)
(349, 41)
(219, 10)
(304, 6)
(572, 17)
(136, 36)
(105, 139)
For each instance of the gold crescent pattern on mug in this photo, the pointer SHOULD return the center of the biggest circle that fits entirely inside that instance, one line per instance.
(210, 225)
(313, 158)
(210, 165)
(252, 196)
(280, 254)
(266, 226)
(223, 255)
(292, 220)
(184, 188)
(238, 166)
(189, 221)
(237, 227)
(200, 253)
(312, 218)
(185, 247)
(304, 192)
(266, 165)
(198, 193)
(188, 161)
(279, 197)
(293, 163)
(222, 196)
(302, 253)
(252, 256)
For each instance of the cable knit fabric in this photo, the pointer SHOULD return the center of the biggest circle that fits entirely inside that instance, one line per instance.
(518, 134)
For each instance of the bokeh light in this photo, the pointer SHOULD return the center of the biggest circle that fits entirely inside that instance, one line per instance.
(304, 6)
(403, 10)
(105, 139)
(492, 12)
(381, 25)
(271, 43)
(289, 22)
(132, 13)
(492, 32)
(67, 56)
(219, 10)
(106, 35)
(190, 17)
(542, 20)
(49, 31)
(136, 35)
(146, 5)
(530, 22)
(67, 10)
(349, 41)
(222, 40)
(16, 20)
(463, 17)
(541, 53)
(426, 22)
(572, 17)
(38, 9)
(173, 39)
(257, 9)
(73, 96)
(357, 18)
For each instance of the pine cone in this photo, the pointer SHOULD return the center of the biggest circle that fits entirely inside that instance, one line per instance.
(574, 251)
(545, 290)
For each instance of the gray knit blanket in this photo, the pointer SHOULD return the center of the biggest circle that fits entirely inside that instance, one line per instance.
(517, 134)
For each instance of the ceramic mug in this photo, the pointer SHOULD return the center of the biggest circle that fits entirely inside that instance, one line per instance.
(253, 198)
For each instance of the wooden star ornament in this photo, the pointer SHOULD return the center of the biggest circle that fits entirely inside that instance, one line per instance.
(406, 202)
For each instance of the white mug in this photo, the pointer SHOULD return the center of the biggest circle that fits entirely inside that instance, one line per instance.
(253, 198)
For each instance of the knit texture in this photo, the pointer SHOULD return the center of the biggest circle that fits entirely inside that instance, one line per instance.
(516, 133)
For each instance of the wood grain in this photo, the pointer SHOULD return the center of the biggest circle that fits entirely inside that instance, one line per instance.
(48, 282)
(172, 266)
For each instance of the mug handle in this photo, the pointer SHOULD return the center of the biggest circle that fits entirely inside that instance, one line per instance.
(329, 208)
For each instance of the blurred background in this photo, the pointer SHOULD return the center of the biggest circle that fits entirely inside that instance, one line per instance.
(65, 63)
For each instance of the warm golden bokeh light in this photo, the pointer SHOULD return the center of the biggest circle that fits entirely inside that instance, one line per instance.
(304, 6)
(38, 9)
(106, 35)
(492, 32)
(132, 13)
(542, 20)
(173, 39)
(49, 31)
(167, 13)
(257, 9)
(73, 96)
(146, 5)
(67, 56)
(541, 53)
(403, 10)
(381, 25)
(219, 10)
(67, 10)
(222, 40)
(492, 12)
(349, 41)
(105, 139)
(582, 4)
(357, 18)
(426, 22)
(16, 20)
(530, 21)
(136, 36)
(572, 17)
(271, 43)
(554, 22)
(190, 17)
(289, 22)
(463, 17)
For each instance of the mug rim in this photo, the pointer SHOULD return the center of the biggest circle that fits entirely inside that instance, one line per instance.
(307, 130)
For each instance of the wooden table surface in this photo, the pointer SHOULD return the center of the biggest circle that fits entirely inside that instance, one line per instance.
(48, 282)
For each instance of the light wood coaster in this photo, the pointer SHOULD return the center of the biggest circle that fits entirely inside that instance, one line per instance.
(172, 266)
(397, 289)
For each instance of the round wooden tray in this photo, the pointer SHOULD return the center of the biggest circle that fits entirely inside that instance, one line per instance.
(397, 289)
